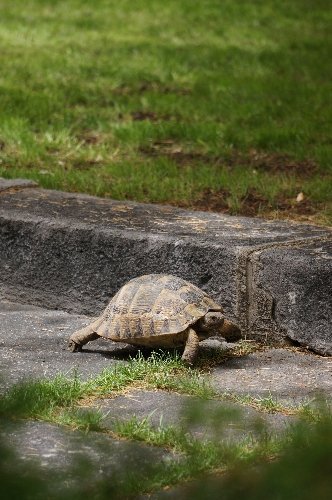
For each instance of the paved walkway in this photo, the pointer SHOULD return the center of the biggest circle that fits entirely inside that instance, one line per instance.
(33, 344)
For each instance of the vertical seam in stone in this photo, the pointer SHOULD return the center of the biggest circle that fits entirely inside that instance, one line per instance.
(245, 276)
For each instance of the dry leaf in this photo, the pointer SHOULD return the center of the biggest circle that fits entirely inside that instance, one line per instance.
(300, 197)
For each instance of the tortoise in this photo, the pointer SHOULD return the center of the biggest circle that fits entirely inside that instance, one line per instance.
(159, 310)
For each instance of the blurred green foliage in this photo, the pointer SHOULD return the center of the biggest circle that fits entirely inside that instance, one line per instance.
(254, 463)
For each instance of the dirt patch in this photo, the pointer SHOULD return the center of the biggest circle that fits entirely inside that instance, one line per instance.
(144, 115)
(90, 138)
(164, 89)
(175, 152)
(306, 207)
(214, 201)
(149, 115)
(149, 86)
(253, 203)
(273, 162)
(250, 204)
(253, 159)
(83, 164)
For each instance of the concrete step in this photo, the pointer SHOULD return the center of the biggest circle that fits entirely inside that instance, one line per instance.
(73, 252)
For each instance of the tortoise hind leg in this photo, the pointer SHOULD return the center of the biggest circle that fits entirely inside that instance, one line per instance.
(83, 336)
(191, 348)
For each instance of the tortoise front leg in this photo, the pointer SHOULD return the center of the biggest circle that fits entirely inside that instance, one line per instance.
(191, 348)
(81, 337)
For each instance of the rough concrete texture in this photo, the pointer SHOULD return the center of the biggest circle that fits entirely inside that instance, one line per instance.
(74, 252)
(59, 448)
(33, 344)
(13, 184)
(291, 376)
(214, 419)
(294, 287)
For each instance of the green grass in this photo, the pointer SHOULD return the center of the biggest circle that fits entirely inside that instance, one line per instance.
(50, 400)
(60, 400)
(195, 456)
(159, 371)
(66, 401)
(168, 101)
(258, 466)
(297, 465)
(41, 397)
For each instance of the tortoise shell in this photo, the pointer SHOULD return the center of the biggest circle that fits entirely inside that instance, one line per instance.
(154, 305)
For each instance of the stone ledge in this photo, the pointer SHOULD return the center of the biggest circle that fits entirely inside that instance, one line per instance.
(74, 252)
(13, 184)
(293, 285)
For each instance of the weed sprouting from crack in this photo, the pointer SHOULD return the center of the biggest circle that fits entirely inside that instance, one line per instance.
(266, 404)
(159, 371)
(194, 455)
(61, 400)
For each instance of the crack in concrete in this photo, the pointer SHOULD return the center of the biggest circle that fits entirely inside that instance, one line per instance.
(246, 284)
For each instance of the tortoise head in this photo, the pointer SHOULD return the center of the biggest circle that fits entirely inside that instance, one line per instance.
(215, 323)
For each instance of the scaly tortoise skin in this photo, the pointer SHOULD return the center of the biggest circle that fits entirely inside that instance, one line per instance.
(159, 310)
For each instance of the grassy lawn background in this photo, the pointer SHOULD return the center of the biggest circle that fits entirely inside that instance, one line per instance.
(217, 104)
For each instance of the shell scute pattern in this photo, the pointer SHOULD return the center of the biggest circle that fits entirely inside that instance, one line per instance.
(154, 305)
(171, 284)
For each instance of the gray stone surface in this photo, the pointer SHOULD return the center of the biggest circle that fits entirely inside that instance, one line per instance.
(203, 419)
(294, 286)
(289, 375)
(60, 448)
(6, 184)
(33, 343)
(74, 252)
